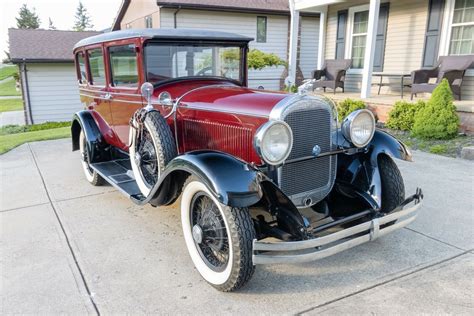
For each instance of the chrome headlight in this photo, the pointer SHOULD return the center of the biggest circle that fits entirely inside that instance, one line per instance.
(359, 127)
(273, 142)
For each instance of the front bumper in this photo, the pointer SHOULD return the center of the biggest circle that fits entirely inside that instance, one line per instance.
(265, 252)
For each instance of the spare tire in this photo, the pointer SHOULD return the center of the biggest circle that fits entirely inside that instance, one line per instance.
(152, 151)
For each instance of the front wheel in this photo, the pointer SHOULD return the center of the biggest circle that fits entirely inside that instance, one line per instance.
(393, 188)
(218, 237)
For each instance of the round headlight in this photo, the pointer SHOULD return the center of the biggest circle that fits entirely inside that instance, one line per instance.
(273, 142)
(359, 127)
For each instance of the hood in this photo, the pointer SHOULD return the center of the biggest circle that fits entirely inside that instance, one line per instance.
(229, 98)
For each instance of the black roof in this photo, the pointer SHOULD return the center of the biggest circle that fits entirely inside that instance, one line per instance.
(169, 34)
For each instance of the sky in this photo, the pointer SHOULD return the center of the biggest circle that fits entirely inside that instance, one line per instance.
(61, 12)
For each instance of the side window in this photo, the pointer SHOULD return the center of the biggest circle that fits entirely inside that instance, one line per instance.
(96, 65)
(123, 61)
(148, 22)
(81, 66)
(261, 29)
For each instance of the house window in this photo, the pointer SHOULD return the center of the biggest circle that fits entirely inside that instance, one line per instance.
(123, 61)
(261, 29)
(360, 21)
(81, 67)
(148, 22)
(462, 28)
(96, 66)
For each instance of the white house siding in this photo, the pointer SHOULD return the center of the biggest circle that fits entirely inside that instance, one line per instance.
(309, 43)
(404, 43)
(54, 95)
(244, 24)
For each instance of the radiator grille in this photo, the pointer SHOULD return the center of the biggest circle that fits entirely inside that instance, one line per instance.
(235, 140)
(309, 179)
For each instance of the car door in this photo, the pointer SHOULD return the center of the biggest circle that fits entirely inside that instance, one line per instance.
(124, 88)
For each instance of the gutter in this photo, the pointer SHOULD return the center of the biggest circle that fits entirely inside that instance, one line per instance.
(26, 94)
(175, 17)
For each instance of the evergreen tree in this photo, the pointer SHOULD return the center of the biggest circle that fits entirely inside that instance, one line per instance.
(83, 20)
(51, 26)
(27, 18)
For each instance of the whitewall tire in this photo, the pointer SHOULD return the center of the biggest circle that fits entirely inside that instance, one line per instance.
(91, 175)
(218, 237)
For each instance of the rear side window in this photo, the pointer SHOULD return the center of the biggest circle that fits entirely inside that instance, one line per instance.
(96, 65)
(81, 66)
(123, 60)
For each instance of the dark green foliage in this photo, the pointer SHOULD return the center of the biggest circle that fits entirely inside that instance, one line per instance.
(438, 119)
(83, 20)
(27, 18)
(402, 116)
(258, 60)
(15, 129)
(347, 106)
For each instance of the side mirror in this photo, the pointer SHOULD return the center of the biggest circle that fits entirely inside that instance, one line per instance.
(147, 91)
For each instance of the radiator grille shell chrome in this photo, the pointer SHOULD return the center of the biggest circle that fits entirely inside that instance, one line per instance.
(313, 121)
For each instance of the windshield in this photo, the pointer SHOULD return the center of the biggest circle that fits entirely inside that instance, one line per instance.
(171, 61)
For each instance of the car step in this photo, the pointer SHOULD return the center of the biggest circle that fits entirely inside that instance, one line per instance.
(119, 174)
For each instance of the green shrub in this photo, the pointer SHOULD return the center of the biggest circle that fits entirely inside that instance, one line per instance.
(438, 119)
(347, 106)
(438, 149)
(292, 88)
(15, 129)
(402, 116)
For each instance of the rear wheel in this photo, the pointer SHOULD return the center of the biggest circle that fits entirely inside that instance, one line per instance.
(151, 151)
(218, 237)
(91, 175)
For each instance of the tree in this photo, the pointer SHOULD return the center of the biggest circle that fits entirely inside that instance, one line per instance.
(51, 26)
(27, 18)
(83, 20)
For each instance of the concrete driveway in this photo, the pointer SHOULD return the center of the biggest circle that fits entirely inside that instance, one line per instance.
(68, 247)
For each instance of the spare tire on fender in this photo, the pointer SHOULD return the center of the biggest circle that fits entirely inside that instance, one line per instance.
(151, 151)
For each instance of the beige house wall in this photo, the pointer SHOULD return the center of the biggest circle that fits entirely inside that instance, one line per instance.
(137, 11)
(404, 44)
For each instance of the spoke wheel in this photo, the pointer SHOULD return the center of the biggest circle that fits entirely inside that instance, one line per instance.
(218, 237)
(147, 160)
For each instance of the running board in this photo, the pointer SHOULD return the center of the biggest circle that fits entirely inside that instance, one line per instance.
(119, 174)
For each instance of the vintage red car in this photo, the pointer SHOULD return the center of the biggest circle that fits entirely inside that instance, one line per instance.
(264, 177)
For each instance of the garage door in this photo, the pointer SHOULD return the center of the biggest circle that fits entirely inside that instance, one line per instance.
(54, 94)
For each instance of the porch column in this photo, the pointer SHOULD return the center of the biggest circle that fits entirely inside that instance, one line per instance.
(370, 48)
(322, 35)
(292, 50)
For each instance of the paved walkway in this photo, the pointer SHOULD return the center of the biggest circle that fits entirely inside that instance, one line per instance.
(68, 247)
(12, 118)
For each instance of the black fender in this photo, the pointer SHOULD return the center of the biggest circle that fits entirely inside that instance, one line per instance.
(96, 145)
(351, 168)
(233, 182)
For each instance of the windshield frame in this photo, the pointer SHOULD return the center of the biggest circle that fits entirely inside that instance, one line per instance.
(243, 46)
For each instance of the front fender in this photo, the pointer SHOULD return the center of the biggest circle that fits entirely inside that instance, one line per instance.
(233, 182)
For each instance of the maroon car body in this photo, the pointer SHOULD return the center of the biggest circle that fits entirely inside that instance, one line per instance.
(176, 102)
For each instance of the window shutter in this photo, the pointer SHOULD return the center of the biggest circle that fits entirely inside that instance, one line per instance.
(433, 33)
(341, 33)
(381, 37)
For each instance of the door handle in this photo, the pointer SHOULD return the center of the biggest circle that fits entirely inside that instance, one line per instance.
(106, 96)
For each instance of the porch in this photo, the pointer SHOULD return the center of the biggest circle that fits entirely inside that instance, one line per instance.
(383, 103)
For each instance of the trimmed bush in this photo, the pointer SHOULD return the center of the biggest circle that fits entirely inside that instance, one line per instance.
(347, 106)
(15, 129)
(402, 116)
(438, 119)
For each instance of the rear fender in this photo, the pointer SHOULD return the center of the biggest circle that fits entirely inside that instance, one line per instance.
(98, 149)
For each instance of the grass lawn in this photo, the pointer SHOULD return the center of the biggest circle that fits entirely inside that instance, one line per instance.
(7, 71)
(11, 105)
(10, 141)
(8, 88)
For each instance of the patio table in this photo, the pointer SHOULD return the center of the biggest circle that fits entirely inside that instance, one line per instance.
(393, 75)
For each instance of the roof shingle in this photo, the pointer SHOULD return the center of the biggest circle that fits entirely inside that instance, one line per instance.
(44, 45)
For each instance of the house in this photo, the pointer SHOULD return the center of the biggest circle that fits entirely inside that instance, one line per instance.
(47, 72)
(396, 36)
(267, 21)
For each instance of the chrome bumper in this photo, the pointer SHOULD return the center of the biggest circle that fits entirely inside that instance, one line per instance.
(265, 252)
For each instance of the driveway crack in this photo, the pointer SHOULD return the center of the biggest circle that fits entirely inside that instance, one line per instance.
(91, 298)
(384, 282)
(435, 239)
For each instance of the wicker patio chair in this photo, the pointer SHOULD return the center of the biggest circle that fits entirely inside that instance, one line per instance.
(332, 75)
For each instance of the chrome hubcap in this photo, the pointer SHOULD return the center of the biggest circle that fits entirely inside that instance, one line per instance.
(197, 234)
